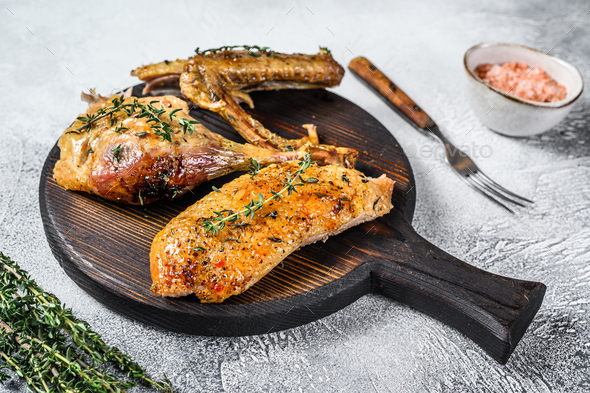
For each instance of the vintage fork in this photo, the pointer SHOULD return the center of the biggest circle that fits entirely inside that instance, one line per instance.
(459, 160)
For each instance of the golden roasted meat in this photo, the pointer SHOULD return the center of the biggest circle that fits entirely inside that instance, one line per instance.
(152, 72)
(133, 158)
(215, 265)
(220, 80)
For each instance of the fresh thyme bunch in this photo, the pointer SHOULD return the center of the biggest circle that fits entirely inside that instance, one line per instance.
(42, 342)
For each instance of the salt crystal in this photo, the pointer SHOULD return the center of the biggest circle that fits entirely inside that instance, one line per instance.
(520, 80)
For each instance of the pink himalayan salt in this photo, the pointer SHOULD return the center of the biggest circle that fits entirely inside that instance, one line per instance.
(518, 79)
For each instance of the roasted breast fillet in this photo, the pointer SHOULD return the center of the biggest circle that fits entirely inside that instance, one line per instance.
(186, 259)
(122, 158)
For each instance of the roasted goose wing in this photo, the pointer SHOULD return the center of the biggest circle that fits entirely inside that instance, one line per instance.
(135, 157)
(217, 264)
(220, 80)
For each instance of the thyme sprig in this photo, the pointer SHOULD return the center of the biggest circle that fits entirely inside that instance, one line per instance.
(254, 167)
(253, 50)
(154, 116)
(117, 153)
(293, 181)
(43, 343)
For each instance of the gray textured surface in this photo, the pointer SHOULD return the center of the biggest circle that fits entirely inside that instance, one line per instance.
(50, 52)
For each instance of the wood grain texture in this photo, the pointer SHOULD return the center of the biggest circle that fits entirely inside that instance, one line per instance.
(104, 247)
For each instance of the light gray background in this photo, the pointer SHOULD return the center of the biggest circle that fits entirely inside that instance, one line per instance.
(50, 52)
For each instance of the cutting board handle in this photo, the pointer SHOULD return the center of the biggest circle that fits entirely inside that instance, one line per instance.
(492, 310)
(402, 104)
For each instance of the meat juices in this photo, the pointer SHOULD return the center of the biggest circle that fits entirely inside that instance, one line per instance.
(518, 79)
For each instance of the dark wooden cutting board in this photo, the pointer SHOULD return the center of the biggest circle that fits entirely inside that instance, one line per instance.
(104, 247)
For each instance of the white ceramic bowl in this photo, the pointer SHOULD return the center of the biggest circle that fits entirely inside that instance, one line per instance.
(511, 115)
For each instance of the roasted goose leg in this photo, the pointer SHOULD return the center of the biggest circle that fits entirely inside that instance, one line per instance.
(219, 81)
(215, 265)
(133, 158)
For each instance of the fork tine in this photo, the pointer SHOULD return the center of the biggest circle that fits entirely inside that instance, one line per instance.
(504, 190)
(475, 177)
(469, 181)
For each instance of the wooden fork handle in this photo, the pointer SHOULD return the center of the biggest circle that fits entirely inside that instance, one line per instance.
(403, 104)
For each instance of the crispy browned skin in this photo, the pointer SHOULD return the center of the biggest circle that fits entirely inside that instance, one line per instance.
(219, 81)
(238, 256)
(149, 169)
(151, 72)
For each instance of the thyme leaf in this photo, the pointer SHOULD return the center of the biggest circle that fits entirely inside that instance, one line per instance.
(117, 153)
(254, 168)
